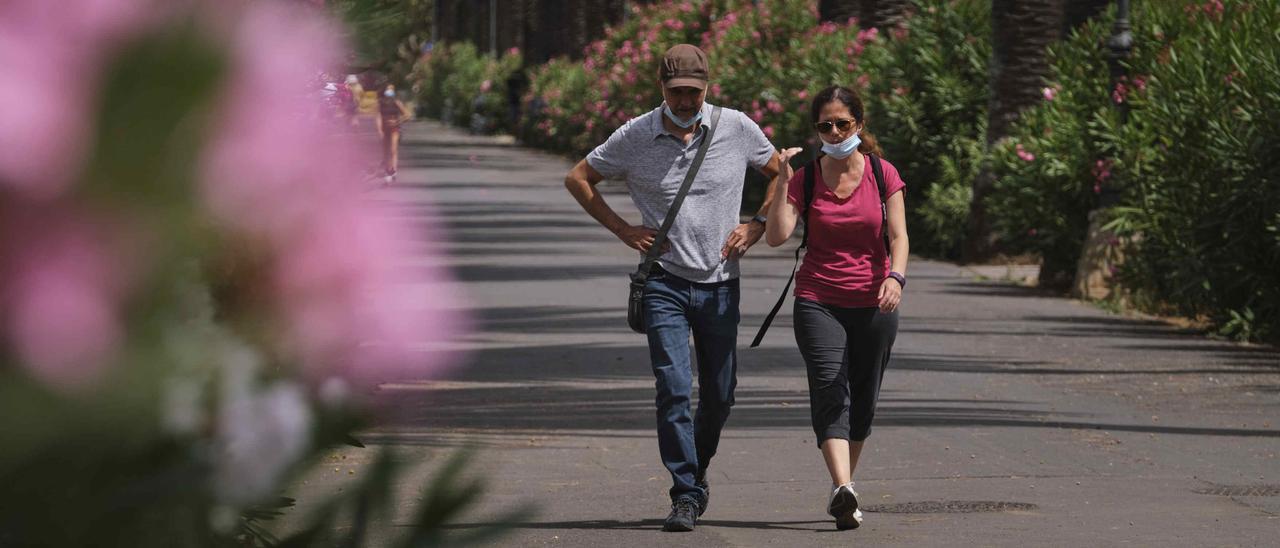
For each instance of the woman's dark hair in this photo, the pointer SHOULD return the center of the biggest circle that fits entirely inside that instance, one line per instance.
(850, 99)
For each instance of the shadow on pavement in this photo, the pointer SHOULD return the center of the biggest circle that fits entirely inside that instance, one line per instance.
(565, 388)
(652, 525)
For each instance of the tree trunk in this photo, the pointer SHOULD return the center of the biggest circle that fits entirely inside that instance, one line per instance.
(883, 14)
(1020, 31)
(1077, 12)
(838, 11)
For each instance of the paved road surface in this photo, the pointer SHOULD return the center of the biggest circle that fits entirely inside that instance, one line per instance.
(1007, 417)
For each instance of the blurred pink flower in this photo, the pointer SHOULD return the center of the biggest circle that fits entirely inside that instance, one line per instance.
(1049, 93)
(51, 54)
(1119, 93)
(715, 90)
(768, 131)
(1102, 170)
(802, 95)
(1214, 8)
(63, 290)
(1023, 154)
(513, 51)
(485, 86)
(282, 178)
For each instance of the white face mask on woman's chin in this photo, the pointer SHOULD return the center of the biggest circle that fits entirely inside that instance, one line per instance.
(389, 93)
(843, 149)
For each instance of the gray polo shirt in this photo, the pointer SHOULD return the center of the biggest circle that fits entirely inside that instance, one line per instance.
(653, 163)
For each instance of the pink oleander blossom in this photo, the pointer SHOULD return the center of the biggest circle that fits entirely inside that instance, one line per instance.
(1120, 93)
(1049, 93)
(62, 289)
(281, 178)
(51, 54)
(1023, 154)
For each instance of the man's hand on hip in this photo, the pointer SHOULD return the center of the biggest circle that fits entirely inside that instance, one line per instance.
(741, 239)
(641, 238)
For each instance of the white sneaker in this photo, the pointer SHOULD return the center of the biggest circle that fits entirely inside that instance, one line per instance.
(843, 505)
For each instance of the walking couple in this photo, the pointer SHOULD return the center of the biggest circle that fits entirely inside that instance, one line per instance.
(847, 289)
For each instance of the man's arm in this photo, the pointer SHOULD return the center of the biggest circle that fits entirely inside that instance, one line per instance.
(770, 170)
(581, 183)
(747, 234)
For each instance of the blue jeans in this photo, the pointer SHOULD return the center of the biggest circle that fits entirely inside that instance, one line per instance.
(673, 308)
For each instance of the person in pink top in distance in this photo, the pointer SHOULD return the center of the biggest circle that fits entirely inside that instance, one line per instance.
(850, 284)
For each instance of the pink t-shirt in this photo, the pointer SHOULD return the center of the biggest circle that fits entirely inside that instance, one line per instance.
(846, 260)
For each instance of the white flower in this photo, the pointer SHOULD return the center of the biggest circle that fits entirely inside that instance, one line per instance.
(260, 434)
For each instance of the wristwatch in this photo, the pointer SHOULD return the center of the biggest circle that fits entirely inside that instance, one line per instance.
(760, 219)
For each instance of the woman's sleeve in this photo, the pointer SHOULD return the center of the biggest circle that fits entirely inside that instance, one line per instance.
(892, 180)
(795, 189)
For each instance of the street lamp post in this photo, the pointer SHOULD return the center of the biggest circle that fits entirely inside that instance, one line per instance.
(493, 27)
(1100, 256)
(1120, 44)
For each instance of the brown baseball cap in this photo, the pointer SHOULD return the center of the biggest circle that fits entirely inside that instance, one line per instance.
(684, 65)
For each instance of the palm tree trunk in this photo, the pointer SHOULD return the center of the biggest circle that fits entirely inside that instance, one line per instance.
(1020, 30)
(884, 14)
(838, 11)
(1077, 12)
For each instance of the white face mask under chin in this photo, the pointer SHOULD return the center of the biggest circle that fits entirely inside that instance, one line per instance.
(686, 124)
(843, 149)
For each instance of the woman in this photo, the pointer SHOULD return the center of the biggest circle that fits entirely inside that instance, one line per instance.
(390, 113)
(849, 286)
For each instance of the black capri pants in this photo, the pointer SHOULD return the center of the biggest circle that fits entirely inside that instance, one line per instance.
(845, 353)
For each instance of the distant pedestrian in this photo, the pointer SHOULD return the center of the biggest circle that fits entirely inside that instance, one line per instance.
(850, 284)
(349, 99)
(391, 113)
(693, 287)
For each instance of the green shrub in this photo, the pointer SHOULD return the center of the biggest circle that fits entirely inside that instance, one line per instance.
(927, 104)
(573, 106)
(1051, 168)
(458, 84)
(1192, 167)
(558, 87)
(1200, 167)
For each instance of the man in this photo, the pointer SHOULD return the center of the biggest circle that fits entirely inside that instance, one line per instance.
(694, 285)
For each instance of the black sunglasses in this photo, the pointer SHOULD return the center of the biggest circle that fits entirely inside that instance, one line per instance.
(825, 127)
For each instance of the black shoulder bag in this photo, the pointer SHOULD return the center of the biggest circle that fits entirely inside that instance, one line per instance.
(810, 179)
(635, 295)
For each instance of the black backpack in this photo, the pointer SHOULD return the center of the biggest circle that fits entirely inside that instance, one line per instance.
(810, 179)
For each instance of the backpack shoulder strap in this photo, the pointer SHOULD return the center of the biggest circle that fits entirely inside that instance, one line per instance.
(878, 171)
(810, 179)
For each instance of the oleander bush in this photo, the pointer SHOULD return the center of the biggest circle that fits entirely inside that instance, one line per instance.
(458, 84)
(927, 102)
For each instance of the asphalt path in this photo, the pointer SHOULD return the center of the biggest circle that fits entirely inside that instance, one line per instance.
(1007, 417)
